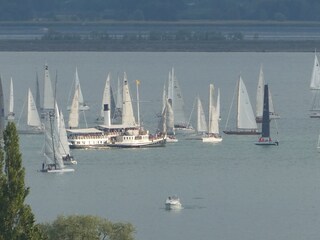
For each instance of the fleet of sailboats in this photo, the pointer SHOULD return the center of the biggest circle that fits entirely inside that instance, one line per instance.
(133, 135)
(130, 133)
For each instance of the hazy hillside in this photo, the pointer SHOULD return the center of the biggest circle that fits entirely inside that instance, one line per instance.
(163, 10)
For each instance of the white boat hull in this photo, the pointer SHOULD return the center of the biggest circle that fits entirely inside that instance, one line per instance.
(211, 139)
(64, 170)
(315, 115)
(139, 144)
(173, 203)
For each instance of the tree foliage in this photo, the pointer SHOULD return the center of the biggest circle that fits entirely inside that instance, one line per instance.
(16, 217)
(87, 227)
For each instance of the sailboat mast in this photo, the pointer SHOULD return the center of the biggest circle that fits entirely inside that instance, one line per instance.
(51, 116)
(265, 116)
(138, 105)
(238, 101)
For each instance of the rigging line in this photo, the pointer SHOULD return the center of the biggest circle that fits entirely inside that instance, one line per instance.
(24, 103)
(275, 121)
(194, 103)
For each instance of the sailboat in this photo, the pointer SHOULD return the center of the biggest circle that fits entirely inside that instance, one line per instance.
(53, 162)
(213, 127)
(259, 100)
(246, 123)
(315, 89)
(201, 123)
(63, 144)
(265, 138)
(176, 99)
(11, 115)
(82, 105)
(34, 125)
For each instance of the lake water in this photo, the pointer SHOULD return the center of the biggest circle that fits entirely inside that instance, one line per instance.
(232, 190)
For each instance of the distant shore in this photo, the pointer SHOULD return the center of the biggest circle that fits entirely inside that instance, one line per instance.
(160, 46)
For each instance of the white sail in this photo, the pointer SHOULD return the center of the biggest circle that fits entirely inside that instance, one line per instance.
(106, 98)
(177, 102)
(37, 93)
(119, 95)
(11, 103)
(170, 87)
(74, 111)
(201, 118)
(162, 126)
(164, 98)
(51, 149)
(64, 148)
(77, 85)
(48, 96)
(218, 104)
(128, 118)
(246, 118)
(170, 119)
(33, 118)
(213, 115)
(259, 97)
(315, 76)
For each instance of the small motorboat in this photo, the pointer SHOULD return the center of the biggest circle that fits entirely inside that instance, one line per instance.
(173, 202)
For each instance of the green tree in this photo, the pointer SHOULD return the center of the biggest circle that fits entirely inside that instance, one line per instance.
(87, 227)
(16, 217)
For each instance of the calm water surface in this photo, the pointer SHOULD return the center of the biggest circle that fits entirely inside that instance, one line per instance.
(232, 190)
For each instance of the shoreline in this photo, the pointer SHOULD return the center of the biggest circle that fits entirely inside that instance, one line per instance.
(159, 46)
